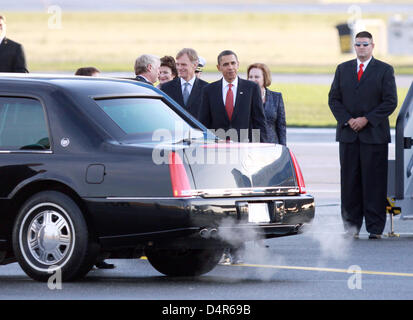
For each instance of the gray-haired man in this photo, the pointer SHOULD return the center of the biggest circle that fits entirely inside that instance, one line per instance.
(147, 68)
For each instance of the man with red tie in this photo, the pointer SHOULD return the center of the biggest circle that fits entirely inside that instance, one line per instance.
(362, 97)
(232, 104)
(233, 107)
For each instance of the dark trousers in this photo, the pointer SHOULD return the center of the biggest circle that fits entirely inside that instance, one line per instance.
(363, 185)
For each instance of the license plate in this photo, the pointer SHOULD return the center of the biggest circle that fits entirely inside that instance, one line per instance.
(258, 212)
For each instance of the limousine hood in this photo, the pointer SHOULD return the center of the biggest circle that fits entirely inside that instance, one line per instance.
(237, 169)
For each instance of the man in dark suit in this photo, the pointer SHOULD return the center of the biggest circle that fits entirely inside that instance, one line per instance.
(147, 68)
(232, 104)
(12, 57)
(362, 96)
(186, 88)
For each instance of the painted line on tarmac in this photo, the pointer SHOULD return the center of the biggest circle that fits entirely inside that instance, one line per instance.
(382, 273)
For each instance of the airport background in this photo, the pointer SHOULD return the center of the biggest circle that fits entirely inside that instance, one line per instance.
(300, 43)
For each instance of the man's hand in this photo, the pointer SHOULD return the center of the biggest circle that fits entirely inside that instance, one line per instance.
(358, 123)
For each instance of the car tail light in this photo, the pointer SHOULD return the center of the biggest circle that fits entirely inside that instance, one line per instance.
(179, 179)
(298, 173)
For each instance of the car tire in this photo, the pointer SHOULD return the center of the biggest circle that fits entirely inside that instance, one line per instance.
(50, 235)
(183, 262)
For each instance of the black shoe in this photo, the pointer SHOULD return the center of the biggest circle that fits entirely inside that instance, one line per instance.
(237, 260)
(225, 260)
(349, 235)
(374, 236)
(104, 265)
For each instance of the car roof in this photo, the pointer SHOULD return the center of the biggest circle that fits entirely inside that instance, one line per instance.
(79, 85)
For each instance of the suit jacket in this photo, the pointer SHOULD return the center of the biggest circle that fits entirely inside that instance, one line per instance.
(142, 79)
(374, 97)
(248, 110)
(173, 89)
(275, 117)
(12, 57)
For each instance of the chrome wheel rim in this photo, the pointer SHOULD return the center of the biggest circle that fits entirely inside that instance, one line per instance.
(49, 237)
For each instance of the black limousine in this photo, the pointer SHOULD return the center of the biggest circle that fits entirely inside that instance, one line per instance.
(93, 167)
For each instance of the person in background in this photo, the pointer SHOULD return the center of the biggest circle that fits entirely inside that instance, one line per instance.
(12, 58)
(362, 97)
(167, 70)
(186, 90)
(94, 72)
(87, 71)
(273, 104)
(232, 104)
(147, 68)
(201, 64)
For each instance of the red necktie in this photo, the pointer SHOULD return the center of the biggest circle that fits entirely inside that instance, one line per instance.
(360, 73)
(229, 102)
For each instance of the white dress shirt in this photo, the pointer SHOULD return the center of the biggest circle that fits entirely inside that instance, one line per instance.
(364, 64)
(225, 89)
(191, 84)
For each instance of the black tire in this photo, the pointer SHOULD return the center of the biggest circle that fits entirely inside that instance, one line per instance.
(183, 262)
(49, 234)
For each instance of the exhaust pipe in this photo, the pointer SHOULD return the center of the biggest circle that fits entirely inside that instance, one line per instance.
(209, 233)
(204, 233)
(213, 233)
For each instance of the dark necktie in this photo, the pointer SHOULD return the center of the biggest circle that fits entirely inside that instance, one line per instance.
(360, 73)
(185, 93)
(229, 102)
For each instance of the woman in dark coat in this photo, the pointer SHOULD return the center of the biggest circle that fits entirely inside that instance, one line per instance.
(273, 104)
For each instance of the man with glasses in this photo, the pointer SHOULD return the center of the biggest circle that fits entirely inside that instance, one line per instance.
(362, 97)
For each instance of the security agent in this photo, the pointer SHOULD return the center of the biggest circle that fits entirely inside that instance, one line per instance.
(362, 97)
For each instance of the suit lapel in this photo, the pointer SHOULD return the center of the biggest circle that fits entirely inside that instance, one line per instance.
(3, 44)
(194, 93)
(353, 73)
(178, 90)
(239, 98)
(219, 100)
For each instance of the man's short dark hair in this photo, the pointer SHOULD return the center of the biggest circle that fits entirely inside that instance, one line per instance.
(86, 71)
(364, 34)
(226, 53)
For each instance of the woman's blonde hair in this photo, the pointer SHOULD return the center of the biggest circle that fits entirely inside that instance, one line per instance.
(265, 71)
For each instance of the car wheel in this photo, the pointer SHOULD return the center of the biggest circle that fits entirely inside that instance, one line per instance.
(183, 262)
(51, 234)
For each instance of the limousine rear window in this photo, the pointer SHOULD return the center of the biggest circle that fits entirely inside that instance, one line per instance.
(143, 115)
